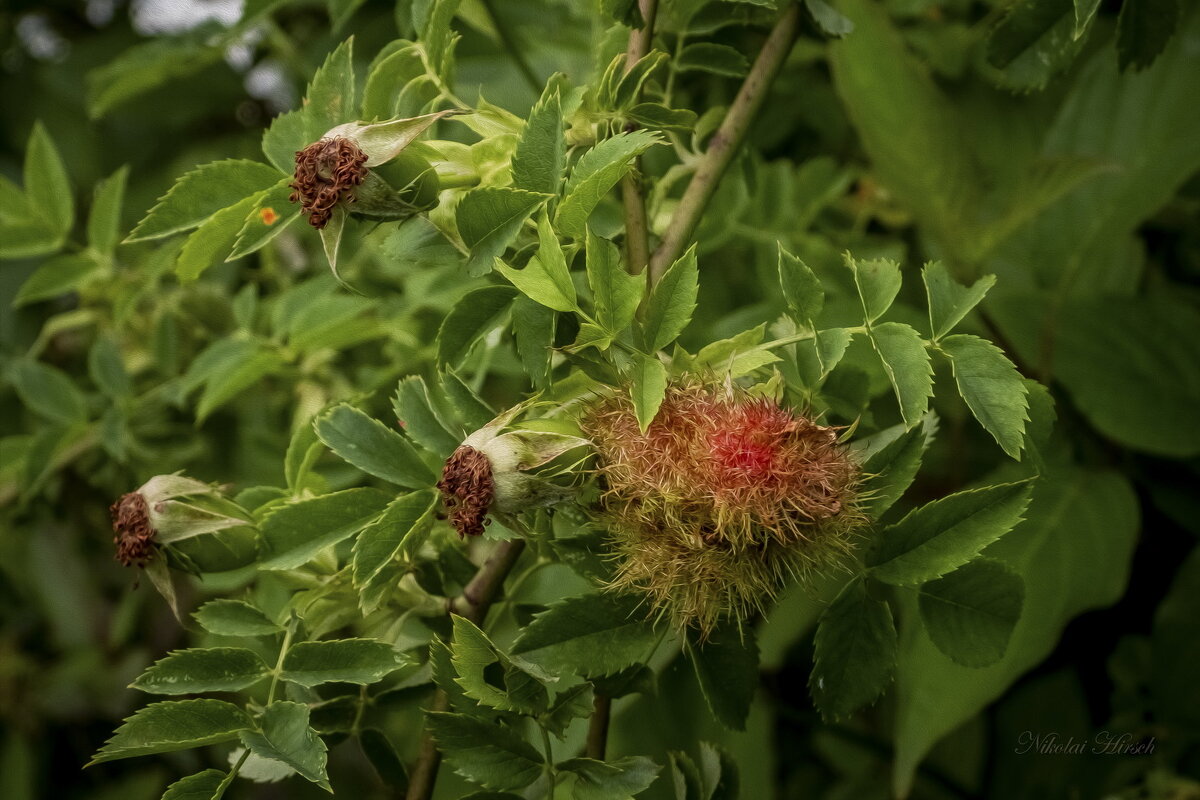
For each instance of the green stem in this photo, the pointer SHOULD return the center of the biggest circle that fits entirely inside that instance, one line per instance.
(551, 774)
(233, 773)
(509, 40)
(725, 142)
(637, 225)
(283, 648)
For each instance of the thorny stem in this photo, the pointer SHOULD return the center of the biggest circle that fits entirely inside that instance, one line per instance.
(725, 142)
(476, 598)
(512, 46)
(637, 227)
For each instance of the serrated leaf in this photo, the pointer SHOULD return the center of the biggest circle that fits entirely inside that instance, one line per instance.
(371, 446)
(991, 387)
(891, 470)
(286, 736)
(212, 242)
(615, 293)
(467, 404)
(541, 151)
(202, 192)
(174, 725)
(718, 59)
(947, 533)
(595, 174)
(598, 633)
(802, 289)
(476, 314)
(950, 301)
(671, 303)
(361, 661)
(414, 411)
(104, 218)
(1143, 29)
(629, 87)
(48, 391)
(397, 84)
(817, 357)
(330, 99)
(293, 533)
(488, 754)
(855, 653)
(234, 618)
(397, 532)
(569, 705)
(610, 780)
(283, 138)
(546, 278)
(488, 220)
(475, 657)
(534, 327)
(647, 388)
(46, 184)
(272, 212)
(970, 613)
(726, 665)
(201, 786)
(214, 669)
(56, 276)
(906, 362)
(878, 282)
(657, 116)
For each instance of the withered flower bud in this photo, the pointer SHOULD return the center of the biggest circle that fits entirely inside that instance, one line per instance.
(134, 536)
(467, 490)
(327, 172)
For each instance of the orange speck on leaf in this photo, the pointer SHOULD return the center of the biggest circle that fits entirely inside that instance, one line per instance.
(268, 216)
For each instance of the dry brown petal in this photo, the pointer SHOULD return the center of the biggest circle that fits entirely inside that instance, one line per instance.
(467, 490)
(134, 534)
(327, 173)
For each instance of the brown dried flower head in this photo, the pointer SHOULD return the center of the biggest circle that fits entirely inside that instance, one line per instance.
(134, 535)
(327, 173)
(467, 489)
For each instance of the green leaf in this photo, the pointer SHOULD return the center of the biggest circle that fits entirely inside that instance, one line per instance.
(629, 86)
(992, 388)
(950, 301)
(489, 218)
(546, 278)
(199, 194)
(1073, 552)
(970, 613)
(212, 242)
(144, 67)
(878, 282)
(647, 388)
(397, 84)
(592, 634)
(46, 185)
(286, 736)
(214, 669)
(243, 367)
(891, 470)
(398, 532)
(371, 446)
(283, 138)
(906, 362)
(295, 532)
(48, 391)
(476, 661)
(234, 618)
(658, 117)
(1143, 29)
(533, 330)
(610, 780)
(827, 19)
(615, 293)
(174, 725)
(201, 786)
(718, 59)
(569, 705)
(855, 653)
(541, 152)
(477, 313)
(947, 533)
(361, 661)
(104, 219)
(468, 405)
(330, 99)
(726, 667)
(671, 303)
(802, 289)
(1036, 40)
(595, 174)
(414, 411)
(107, 368)
(57, 276)
(490, 755)
(270, 215)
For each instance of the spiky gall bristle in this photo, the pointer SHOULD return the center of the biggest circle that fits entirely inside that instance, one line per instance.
(327, 172)
(467, 489)
(133, 533)
(722, 498)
